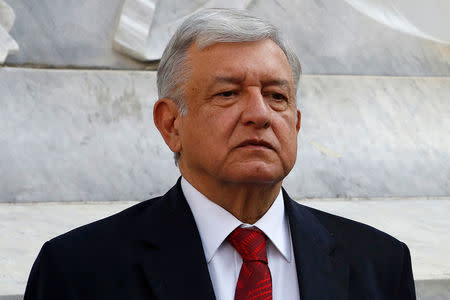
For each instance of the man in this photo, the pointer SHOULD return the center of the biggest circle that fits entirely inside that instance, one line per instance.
(226, 230)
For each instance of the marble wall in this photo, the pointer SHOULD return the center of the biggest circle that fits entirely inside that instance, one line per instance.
(426, 19)
(89, 136)
(80, 135)
(373, 137)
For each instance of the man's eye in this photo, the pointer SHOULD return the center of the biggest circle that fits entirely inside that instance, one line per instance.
(226, 94)
(278, 96)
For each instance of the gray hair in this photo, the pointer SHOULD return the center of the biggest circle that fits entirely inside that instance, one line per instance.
(207, 27)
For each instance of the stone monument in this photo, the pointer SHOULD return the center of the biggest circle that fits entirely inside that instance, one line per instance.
(7, 43)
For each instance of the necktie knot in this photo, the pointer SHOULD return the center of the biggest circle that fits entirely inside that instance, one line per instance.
(250, 243)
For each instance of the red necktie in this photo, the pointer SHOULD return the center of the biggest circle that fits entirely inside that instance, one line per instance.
(254, 280)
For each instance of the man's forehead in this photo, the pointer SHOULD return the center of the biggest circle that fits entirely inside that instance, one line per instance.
(223, 58)
(270, 46)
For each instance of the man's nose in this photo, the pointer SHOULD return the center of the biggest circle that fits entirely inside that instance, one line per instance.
(256, 110)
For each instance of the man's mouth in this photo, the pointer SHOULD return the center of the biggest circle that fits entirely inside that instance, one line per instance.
(255, 143)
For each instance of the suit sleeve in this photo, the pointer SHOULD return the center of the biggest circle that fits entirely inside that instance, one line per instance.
(406, 289)
(46, 281)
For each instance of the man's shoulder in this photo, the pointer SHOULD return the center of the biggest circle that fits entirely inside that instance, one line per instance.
(356, 239)
(102, 242)
(120, 225)
(344, 226)
(93, 255)
(377, 263)
(120, 233)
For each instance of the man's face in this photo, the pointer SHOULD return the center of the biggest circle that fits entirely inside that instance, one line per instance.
(241, 123)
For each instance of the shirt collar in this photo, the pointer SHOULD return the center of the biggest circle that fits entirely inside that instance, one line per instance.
(214, 223)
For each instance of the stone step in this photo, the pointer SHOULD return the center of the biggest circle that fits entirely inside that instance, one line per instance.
(422, 223)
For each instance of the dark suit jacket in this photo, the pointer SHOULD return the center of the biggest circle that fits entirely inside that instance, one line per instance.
(153, 251)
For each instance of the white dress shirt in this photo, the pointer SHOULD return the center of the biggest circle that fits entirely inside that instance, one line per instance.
(214, 224)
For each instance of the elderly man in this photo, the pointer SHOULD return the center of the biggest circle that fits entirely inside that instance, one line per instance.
(227, 85)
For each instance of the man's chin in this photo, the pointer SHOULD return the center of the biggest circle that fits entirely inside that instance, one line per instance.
(258, 174)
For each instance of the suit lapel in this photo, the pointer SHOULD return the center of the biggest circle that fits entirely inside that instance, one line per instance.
(320, 275)
(170, 253)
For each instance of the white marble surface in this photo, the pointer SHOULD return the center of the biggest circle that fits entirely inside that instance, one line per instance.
(7, 15)
(7, 43)
(134, 27)
(331, 37)
(426, 19)
(373, 136)
(25, 227)
(89, 136)
(80, 135)
(68, 33)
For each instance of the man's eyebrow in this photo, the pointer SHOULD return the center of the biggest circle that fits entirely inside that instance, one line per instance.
(284, 84)
(278, 82)
(224, 79)
(227, 79)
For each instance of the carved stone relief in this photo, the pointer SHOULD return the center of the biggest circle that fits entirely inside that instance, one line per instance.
(145, 26)
(425, 19)
(7, 43)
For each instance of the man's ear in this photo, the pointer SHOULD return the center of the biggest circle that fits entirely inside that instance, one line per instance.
(166, 117)
(299, 120)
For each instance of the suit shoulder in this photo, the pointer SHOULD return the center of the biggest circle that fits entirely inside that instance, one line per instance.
(357, 237)
(91, 255)
(378, 262)
(109, 229)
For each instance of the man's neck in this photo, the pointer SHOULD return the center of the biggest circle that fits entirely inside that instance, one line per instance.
(248, 202)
